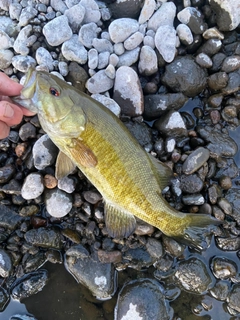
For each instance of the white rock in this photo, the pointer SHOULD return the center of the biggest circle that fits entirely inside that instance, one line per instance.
(32, 187)
(15, 10)
(75, 16)
(26, 15)
(110, 71)
(44, 58)
(149, 41)
(102, 45)
(103, 60)
(165, 41)
(148, 62)
(23, 63)
(113, 59)
(44, 152)
(92, 59)
(185, 34)
(58, 203)
(92, 11)
(213, 33)
(118, 48)
(5, 41)
(67, 184)
(57, 31)
(99, 82)
(21, 43)
(58, 5)
(108, 103)
(128, 58)
(133, 41)
(147, 11)
(163, 16)
(87, 33)
(73, 50)
(63, 68)
(6, 57)
(121, 29)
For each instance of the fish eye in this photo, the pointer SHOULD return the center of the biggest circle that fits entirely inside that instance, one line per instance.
(54, 92)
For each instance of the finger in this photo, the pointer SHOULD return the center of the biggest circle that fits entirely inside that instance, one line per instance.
(27, 112)
(8, 86)
(4, 130)
(10, 113)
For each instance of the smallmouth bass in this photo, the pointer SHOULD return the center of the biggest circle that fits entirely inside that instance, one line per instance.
(91, 137)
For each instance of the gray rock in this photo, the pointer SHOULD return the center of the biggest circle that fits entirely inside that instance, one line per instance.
(75, 15)
(149, 41)
(154, 248)
(191, 184)
(220, 290)
(185, 34)
(6, 57)
(58, 5)
(227, 14)
(102, 45)
(231, 64)
(67, 184)
(27, 14)
(147, 11)
(100, 278)
(6, 173)
(193, 18)
(21, 43)
(63, 68)
(108, 103)
(87, 33)
(58, 203)
(73, 50)
(218, 81)
(148, 63)
(121, 29)
(184, 75)
(99, 82)
(23, 63)
(44, 237)
(125, 8)
(195, 160)
(92, 59)
(213, 33)
(132, 305)
(8, 218)
(128, 92)
(92, 197)
(64, 32)
(142, 133)
(171, 124)
(233, 298)
(5, 41)
(110, 71)
(233, 197)
(27, 131)
(233, 83)
(44, 152)
(164, 16)
(103, 60)
(133, 41)
(44, 58)
(204, 60)
(92, 12)
(193, 276)
(138, 258)
(118, 48)
(15, 10)
(128, 58)
(228, 244)
(193, 199)
(223, 268)
(4, 298)
(165, 41)
(5, 23)
(5, 264)
(32, 187)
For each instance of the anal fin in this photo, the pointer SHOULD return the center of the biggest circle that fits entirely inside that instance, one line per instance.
(119, 223)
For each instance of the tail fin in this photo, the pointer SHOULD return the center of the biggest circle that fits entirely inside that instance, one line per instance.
(198, 229)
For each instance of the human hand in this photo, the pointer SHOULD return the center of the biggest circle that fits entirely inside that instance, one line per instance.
(10, 113)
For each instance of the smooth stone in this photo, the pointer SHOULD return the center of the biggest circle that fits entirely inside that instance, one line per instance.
(27, 131)
(75, 16)
(223, 268)
(100, 278)
(191, 183)
(44, 237)
(193, 18)
(218, 81)
(21, 43)
(193, 199)
(233, 197)
(44, 58)
(58, 5)
(99, 82)
(213, 33)
(233, 83)
(118, 48)
(73, 50)
(110, 71)
(67, 184)
(204, 60)
(231, 64)
(9, 219)
(27, 14)
(33, 186)
(148, 62)
(102, 45)
(64, 32)
(103, 60)
(185, 34)
(133, 41)
(5, 41)
(195, 160)
(92, 12)
(128, 58)
(5, 264)
(149, 41)
(44, 152)
(147, 11)
(92, 59)
(165, 41)
(23, 63)
(127, 91)
(15, 11)
(77, 76)
(58, 203)
(125, 8)
(228, 244)
(108, 103)
(120, 29)
(6, 173)
(233, 298)
(87, 33)
(6, 57)
(164, 16)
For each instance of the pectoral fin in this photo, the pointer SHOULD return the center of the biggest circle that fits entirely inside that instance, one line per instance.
(163, 173)
(64, 166)
(82, 154)
(119, 223)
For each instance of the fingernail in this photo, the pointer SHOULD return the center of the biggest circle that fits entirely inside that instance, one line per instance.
(8, 112)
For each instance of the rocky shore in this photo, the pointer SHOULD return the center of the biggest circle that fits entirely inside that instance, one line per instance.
(171, 71)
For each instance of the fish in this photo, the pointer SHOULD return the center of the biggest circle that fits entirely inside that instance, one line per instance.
(92, 138)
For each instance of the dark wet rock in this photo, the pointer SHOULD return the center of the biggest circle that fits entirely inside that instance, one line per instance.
(218, 81)
(186, 76)
(138, 258)
(34, 262)
(13, 187)
(173, 247)
(155, 105)
(220, 290)
(229, 114)
(44, 152)
(220, 143)
(141, 132)
(193, 199)
(28, 211)
(225, 206)
(193, 18)
(8, 218)
(27, 131)
(33, 186)
(234, 298)
(154, 248)
(211, 47)
(228, 244)
(126, 8)
(132, 305)
(114, 256)
(72, 235)
(100, 278)
(223, 268)
(171, 124)
(4, 298)
(92, 197)
(193, 276)
(233, 83)
(6, 173)
(191, 183)
(29, 284)
(195, 160)
(43, 237)
(214, 192)
(5, 264)
(227, 167)
(215, 101)
(58, 202)
(233, 197)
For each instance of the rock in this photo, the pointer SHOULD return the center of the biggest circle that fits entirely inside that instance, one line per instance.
(227, 14)
(141, 132)
(67, 184)
(228, 244)
(44, 58)
(154, 248)
(231, 64)
(87, 33)
(164, 16)
(22, 317)
(27, 14)
(125, 8)
(128, 58)
(184, 75)
(58, 203)
(5, 41)
(15, 10)
(193, 276)
(77, 76)
(73, 50)
(63, 33)
(4, 299)
(44, 237)
(108, 103)
(103, 60)
(233, 298)
(100, 278)
(99, 82)
(220, 290)
(195, 160)
(213, 33)
(233, 197)
(211, 47)
(6, 57)
(128, 92)
(32, 187)
(171, 124)
(44, 152)
(58, 5)
(132, 305)
(5, 264)
(27, 131)
(23, 63)
(148, 64)
(218, 81)
(191, 183)
(185, 34)
(223, 268)
(6, 173)
(102, 45)
(147, 11)
(193, 18)
(8, 218)
(114, 256)
(193, 199)
(120, 29)
(204, 60)
(75, 16)
(138, 258)
(165, 41)
(92, 12)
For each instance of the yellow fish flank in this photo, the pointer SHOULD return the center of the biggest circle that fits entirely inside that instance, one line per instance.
(95, 140)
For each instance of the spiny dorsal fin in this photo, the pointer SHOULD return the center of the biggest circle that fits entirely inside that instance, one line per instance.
(82, 154)
(163, 173)
(119, 223)
(64, 166)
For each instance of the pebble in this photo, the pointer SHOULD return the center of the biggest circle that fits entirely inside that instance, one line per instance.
(223, 268)
(195, 160)
(191, 183)
(211, 47)
(75, 15)
(185, 34)
(228, 244)
(113, 256)
(133, 41)
(73, 50)
(154, 248)
(5, 41)
(6, 173)
(6, 57)
(4, 298)
(108, 103)
(22, 42)
(218, 81)
(102, 45)
(23, 63)
(147, 11)
(27, 14)
(120, 29)
(44, 58)
(92, 12)
(233, 298)
(204, 60)
(87, 33)
(128, 58)
(99, 82)
(103, 60)
(125, 8)
(220, 290)
(15, 11)
(44, 152)
(67, 184)
(127, 91)
(58, 203)
(62, 34)
(5, 264)
(44, 237)
(172, 246)
(213, 33)
(165, 41)
(33, 186)
(58, 5)
(27, 131)
(164, 16)
(148, 64)
(193, 199)
(231, 64)
(171, 124)
(193, 18)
